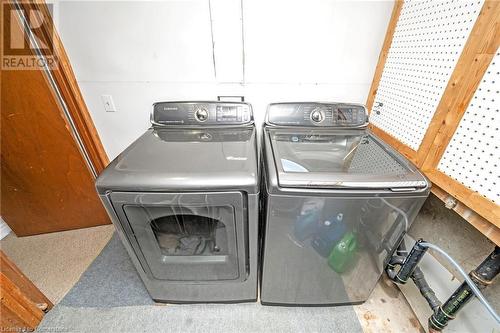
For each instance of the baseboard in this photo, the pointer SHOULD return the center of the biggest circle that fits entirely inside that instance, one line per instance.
(4, 229)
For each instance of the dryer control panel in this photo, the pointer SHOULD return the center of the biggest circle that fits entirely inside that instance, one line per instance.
(201, 113)
(317, 114)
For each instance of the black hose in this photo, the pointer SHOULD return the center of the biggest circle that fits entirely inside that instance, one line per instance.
(417, 276)
(482, 276)
(426, 291)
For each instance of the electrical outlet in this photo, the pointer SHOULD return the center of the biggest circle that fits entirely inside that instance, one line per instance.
(107, 101)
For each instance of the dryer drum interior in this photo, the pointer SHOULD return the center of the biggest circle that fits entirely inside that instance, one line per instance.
(195, 241)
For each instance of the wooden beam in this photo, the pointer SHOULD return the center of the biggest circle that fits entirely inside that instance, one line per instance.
(481, 205)
(476, 56)
(484, 226)
(398, 4)
(65, 80)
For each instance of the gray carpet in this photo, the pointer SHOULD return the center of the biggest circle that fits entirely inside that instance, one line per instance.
(110, 297)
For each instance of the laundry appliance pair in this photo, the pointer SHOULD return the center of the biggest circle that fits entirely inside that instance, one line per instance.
(312, 221)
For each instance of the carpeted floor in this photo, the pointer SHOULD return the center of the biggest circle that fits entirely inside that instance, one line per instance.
(110, 297)
(54, 262)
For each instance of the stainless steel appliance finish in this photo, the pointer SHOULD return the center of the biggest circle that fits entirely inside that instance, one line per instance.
(337, 202)
(184, 200)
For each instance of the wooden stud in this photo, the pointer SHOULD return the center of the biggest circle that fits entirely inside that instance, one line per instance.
(481, 205)
(484, 226)
(478, 52)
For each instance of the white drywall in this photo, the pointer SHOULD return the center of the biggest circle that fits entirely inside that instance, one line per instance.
(4, 229)
(266, 50)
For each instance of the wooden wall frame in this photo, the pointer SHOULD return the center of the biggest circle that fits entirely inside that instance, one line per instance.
(476, 56)
(65, 80)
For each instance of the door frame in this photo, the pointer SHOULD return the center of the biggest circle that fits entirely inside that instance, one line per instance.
(66, 89)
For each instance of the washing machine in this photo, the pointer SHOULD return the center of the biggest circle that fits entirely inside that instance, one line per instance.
(337, 201)
(184, 200)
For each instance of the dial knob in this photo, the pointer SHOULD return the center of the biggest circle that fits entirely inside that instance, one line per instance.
(201, 114)
(317, 115)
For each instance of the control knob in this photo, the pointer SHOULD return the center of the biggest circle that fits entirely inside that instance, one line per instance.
(201, 114)
(317, 115)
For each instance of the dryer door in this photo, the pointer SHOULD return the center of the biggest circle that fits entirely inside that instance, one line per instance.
(186, 236)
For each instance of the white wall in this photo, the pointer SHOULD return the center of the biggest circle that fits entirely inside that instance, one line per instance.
(4, 229)
(266, 50)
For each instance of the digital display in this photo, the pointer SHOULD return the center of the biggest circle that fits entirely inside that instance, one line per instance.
(228, 113)
(346, 114)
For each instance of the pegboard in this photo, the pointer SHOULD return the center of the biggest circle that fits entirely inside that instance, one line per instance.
(473, 154)
(427, 42)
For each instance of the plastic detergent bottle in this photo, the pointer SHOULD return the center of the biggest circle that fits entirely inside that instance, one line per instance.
(343, 253)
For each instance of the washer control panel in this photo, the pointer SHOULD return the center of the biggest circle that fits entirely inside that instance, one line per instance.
(201, 113)
(317, 114)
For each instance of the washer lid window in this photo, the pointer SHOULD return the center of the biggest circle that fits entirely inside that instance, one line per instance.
(325, 159)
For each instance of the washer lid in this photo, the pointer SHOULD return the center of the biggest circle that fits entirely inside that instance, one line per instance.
(166, 159)
(340, 159)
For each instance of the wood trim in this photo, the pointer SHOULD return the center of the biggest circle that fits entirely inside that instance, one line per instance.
(19, 310)
(65, 80)
(13, 273)
(484, 226)
(12, 299)
(398, 145)
(476, 56)
(382, 58)
(484, 207)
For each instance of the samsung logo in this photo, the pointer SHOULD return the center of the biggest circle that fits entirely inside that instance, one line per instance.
(170, 108)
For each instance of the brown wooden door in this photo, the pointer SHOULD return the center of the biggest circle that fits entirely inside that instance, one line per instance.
(46, 185)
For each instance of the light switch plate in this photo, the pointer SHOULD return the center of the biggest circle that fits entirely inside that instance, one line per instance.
(107, 101)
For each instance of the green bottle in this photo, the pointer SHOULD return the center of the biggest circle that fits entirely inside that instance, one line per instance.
(343, 253)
